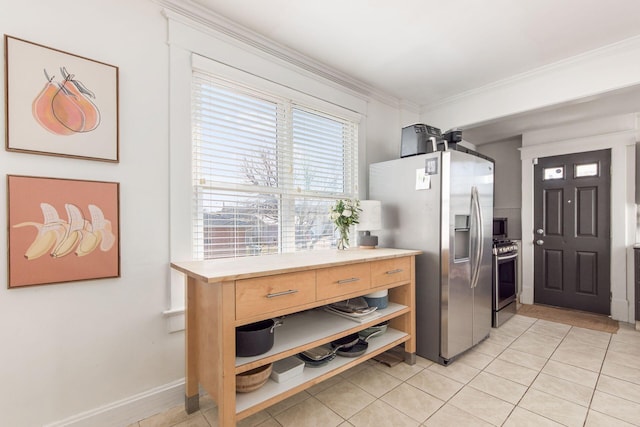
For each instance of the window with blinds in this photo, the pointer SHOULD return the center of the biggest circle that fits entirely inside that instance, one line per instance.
(266, 171)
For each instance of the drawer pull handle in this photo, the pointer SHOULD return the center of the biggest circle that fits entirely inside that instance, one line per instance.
(279, 294)
(397, 270)
(352, 279)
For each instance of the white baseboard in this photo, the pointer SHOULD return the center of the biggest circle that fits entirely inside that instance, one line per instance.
(127, 411)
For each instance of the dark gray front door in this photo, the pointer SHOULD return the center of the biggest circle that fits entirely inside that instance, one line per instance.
(572, 231)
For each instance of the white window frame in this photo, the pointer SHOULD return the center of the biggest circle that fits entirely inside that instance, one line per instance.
(289, 100)
(240, 62)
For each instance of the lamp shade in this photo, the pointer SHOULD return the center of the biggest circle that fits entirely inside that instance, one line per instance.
(371, 215)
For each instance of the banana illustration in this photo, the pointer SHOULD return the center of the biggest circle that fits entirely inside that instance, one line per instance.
(60, 238)
(73, 234)
(50, 233)
(101, 228)
(89, 241)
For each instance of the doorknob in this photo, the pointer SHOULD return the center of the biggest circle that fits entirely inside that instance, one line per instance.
(539, 242)
(540, 231)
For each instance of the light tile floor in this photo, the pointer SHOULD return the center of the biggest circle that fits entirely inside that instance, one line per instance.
(529, 372)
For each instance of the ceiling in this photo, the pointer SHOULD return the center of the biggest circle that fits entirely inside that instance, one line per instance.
(425, 51)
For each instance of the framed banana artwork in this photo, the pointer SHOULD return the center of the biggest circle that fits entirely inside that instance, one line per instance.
(62, 230)
(60, 104)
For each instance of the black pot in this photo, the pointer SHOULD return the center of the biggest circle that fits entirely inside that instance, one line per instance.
(256, 338)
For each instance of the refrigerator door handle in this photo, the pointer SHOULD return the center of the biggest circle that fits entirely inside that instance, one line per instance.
(478, 236)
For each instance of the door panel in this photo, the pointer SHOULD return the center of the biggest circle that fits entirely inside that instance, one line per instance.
(553, 211)
(552, 263)
(587, 268)
(572, 231)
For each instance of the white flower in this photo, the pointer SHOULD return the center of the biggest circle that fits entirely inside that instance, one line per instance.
(334, 216)
(346, 213)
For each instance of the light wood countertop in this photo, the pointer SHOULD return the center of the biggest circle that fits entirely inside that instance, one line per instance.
(219, 270)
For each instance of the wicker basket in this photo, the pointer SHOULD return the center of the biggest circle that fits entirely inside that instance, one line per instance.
(253, 379)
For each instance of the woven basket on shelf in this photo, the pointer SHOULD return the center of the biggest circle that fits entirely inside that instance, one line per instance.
(253, 379)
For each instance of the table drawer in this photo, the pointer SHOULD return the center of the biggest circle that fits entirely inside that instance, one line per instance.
(273, 293)
(389, 271)
(336, 281)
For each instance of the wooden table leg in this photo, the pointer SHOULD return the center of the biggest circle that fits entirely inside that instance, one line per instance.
(192, 397)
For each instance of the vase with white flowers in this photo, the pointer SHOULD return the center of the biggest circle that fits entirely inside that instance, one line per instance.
(343, 214)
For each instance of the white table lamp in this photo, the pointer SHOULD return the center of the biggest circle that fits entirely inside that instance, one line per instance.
(370, 220)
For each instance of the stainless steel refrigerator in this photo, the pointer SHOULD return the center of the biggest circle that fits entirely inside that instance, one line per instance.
(442, 204)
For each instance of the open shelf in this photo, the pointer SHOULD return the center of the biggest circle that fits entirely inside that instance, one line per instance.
(311, 328)
(272, 389)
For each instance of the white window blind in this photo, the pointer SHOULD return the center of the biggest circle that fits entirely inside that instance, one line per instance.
(266, 171)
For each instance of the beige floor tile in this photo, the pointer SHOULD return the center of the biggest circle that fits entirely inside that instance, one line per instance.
(136, 424)
(627, 333)
(553, 329)
(499, 338)
(449, 415)
(549, 406)
(511, 371)
(517, 325)
(536, 344)
(297, 398)
(596, 419)
(422, 362)
(413, 402)
(499, 387)
(345, 398)
(309, 413)
(571, 373)
(589, 336)
(563, 389)
(581, 347)
(211, 415)
(374, 381)
(489, 348)
(354, 370)
(620, 388)
(381, 414)
(456, 371)
(401, 371)
(626, 347)
(254, 420)
(346, 424)
(525, 359)
(435, 384)
(590, 361)
(482, 405)
(169, 417)
(522, 418)
(619, 371)
(475, 359)
(317, 388)
(630, 360)
(271, 423)
(196, 420)
(616, 407)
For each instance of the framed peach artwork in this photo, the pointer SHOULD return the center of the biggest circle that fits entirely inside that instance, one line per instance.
(61, 230)
(58, 103)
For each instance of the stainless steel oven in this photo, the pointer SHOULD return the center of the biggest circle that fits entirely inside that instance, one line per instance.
(505, 280)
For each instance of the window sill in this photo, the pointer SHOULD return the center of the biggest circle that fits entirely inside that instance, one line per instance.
(176, 319)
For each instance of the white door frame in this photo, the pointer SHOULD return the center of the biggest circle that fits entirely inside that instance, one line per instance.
(623, 212)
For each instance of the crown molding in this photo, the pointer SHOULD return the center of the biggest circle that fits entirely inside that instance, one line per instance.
(626, 45)
(190, 13)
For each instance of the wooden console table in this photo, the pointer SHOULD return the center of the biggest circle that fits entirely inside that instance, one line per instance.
(226, 293)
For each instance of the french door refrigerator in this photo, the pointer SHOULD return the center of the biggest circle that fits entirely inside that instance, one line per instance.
(442, 204)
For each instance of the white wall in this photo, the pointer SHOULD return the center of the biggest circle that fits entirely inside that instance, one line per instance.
(73, 352)
(74, 347)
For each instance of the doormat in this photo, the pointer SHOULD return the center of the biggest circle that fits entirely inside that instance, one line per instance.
(390, 357)
(581, 319)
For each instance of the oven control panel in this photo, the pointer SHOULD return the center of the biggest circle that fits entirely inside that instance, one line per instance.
(504, 248)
